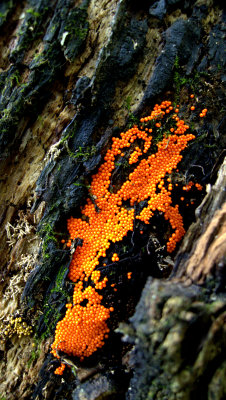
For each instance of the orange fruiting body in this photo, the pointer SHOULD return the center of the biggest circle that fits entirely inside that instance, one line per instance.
(109, 219)
(198, 186)
(129, 275)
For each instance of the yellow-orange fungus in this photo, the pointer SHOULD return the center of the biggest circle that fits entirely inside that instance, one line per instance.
(198, 186)
(82, 330)
(60, 369)
(110, 215)
(188, 186)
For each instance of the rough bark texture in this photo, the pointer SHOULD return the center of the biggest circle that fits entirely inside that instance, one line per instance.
(72, 75)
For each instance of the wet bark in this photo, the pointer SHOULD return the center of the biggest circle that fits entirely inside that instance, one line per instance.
(74, 74)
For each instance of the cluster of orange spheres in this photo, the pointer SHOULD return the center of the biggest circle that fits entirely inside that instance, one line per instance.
(129, 275)
(115, 257)
(109, 215)
(83, 329)
(190, 184)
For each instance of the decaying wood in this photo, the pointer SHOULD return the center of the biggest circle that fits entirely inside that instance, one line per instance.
(207, 236)
(64, 94)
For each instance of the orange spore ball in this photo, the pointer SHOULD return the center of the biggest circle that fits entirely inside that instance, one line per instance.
(115, 257)
(84, 328)
(188, 186)
(60, 369)
(198, 186)
(203, 113)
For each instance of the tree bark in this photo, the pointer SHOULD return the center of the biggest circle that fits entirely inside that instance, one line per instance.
(74, 74)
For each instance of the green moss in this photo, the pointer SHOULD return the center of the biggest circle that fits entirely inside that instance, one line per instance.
(180, 79)
(15, 78)
(5, 8)
(8, 80)
(56, 296)
(82, 154)
(70, 135)
(77, 25)
(132, 119)
(74, 32)
(59, 279)
(33, 12)
(51, 317)
(48, 235)
(80, 184)
(157, 136)
(35, 352)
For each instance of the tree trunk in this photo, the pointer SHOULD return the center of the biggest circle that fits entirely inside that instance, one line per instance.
(74, 75)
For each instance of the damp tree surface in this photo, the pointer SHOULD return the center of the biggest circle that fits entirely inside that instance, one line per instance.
(113, 215)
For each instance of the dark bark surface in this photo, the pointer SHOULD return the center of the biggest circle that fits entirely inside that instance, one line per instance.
(73, 74)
